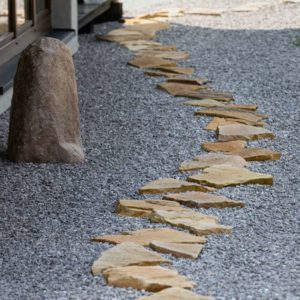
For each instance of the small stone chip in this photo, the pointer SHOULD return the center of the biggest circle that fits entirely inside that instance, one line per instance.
(212, 159)
(257, 154)
(151, 279)
(195, 222)
(176, 294)
(126, 254)
(221, 176)
(203, 200)
(166, 185)
(242, 132)
(177, 249)
(232, 146)
(150, 62)
(146, 236)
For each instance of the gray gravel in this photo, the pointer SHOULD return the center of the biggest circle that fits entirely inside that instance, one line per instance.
(134, 133)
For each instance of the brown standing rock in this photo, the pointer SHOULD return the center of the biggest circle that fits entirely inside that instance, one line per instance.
(44, 124)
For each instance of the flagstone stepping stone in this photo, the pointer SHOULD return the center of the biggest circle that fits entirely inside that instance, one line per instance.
(126, 254)
(257, 154)
(165, 185)
(192, 81)
(230, 113)
(174, 88)
(212, 159)
(163, 14)
(251, 7)
(149, 29)
(139, 45)
(205, 12)
(122, 36)
(216, 122)
(175, 70)
(195, 222)
(144, 208)
(205, 103)
(232, 146)
(145, 236)
(160, 74)
(151, 279)
(222, 176)
(251, 107)
(175, 294)
(203, 200)
(135, 21)
(150, 62)
(242, 132)
(207, 94)
(177, 249)
(174, 55)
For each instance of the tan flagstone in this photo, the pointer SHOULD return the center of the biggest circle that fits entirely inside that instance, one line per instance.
(150, 28)
(151, 279)
(174, 88)
(207, 94)
(131, 36)
(258, 154)
(222, 176)
(126, 254)
(144, 208)
(137, 21)
(203, 200)
(251, 7)
(177, 249)
(229, 113)
(212, 159)
(173, 12)
(242, 132)
(192, 81)
(205, 103)
(146, 236)
(175, 70)
(251, 107)
(175, 294)
(150, 62)
(205, 11)
(165, 185)
(160, 73)
(140, 44)
(174, 55)
(195, 222)
(231, 146)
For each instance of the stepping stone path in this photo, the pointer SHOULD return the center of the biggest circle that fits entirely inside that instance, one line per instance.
(129, 264)
(203, 200)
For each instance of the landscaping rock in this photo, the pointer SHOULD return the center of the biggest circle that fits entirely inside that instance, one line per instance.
(44, 123)
(192, 81)
(207, 94)
(232, 146)
(175, 70)
(257, 154)
(150, 62)
(174, 88)
(216, 122)
(174, 55)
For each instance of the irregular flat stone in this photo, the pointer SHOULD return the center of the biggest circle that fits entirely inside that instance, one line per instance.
(212, 159)
(177, 249)
(163, 14)
(44, 121)
(144, 208)
(251, 107)
(232, 146)
(160, 74)
(216, 122)
(192, 81)
(145, 236)
(229, 113)
(203, 200)
(176, 294)
(138, 45)
(195, 222)
(136, 21)
(174, 55)
(205, 12)
(126, 254)
(149, 29)
(165, 185)
(251, 7)
(176, 70)
(151, 279)
(257, 154)
(207, 94)
(150, 62)
(221, 176)
(205, 103)
(242, 132)
(174, 88)
(123, 36)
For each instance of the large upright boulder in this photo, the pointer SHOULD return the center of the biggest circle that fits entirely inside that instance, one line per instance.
(44, 123)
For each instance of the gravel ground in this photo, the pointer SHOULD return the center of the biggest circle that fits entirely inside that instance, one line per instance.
(134, 133)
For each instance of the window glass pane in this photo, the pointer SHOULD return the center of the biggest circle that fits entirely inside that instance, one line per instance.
(22, 11)
(3, 17)
(40, 5)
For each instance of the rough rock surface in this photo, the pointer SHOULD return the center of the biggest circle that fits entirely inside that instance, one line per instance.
(258, 154)
(221, 176)
(150, 62)
(146, 236)
(175, 88)
(126, 254)
(203, 200)
(216, 122)
(151, 279)
(231, 146)
(243, 132)
(177, 249)
(173, 55)
(176, 294)
(44, 123)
